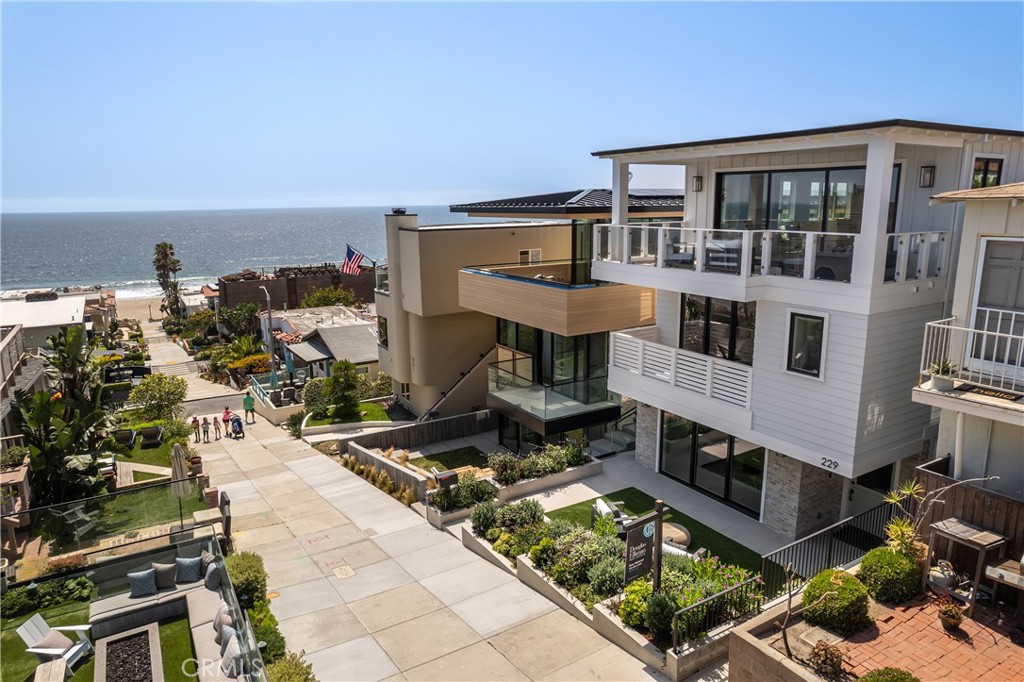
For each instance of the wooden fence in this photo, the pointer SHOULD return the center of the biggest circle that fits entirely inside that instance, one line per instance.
(985, 508)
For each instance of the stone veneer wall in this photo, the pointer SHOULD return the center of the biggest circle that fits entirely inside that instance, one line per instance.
(646, 449)
(800, 498)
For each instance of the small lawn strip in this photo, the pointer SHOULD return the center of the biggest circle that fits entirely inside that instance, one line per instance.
(452, 459)
(145, 476)
(160, 456)
(637, 503)
(373, 412)
(175, 647)
(18, 665)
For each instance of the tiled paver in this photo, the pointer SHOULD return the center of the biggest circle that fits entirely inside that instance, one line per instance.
(910, 637)
(394, 606)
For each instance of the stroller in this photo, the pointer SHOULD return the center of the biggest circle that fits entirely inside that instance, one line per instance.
(237, 429)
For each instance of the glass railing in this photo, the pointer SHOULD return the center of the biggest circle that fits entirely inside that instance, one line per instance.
(915, 255)
(563, 399)
(680, 247)
(101, 525)
(382, 281)
(723, 251)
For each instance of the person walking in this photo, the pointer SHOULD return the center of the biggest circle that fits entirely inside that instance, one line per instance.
(195, 427)
(226, 418)
(249, 404)
(216, 428)
(206, 429)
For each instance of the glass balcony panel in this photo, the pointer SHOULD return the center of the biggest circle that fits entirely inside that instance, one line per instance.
(788, 249)
(833, 257)
(914, 246)
(936, 254)
(643, 245)
(382, 280)
(757, 242)
(891, 257)
(680, 248)
(722, 251)
(549, 402)
(609, 242)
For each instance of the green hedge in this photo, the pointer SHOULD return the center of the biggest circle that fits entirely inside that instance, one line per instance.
(249, 578)
(845, 611)
(889, 576)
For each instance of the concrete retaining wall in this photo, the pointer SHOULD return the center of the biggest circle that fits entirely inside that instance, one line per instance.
(483, 548)
(398, 473)
(277, 415)
(418, 434)
(533, 578)
(439, 519)
(536, 485)
(611, 628)
(346, 427)
(752, 660)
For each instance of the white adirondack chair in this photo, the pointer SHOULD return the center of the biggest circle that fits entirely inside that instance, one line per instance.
(35, 628)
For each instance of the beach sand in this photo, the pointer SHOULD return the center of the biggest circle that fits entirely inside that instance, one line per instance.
(138, 308)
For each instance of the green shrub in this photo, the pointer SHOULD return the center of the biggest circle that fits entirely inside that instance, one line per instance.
(177, 428)
(484, 517)
(559, 527)
(605, 525)
(493, 534)
(826, 660)
(889, 576)
(523, 513)
(633, 608)
(275, 647)
(249, 578)
(16, 602)
(315, 398)
(469, 491)
(585, 593)
(658, 619)
(294, 423)
(505, 467)
(607, 576)
(503, 545)
(261, 614)
(845, 611)
(526, 537)
(889, 675)
(543, 553)
(291, 668)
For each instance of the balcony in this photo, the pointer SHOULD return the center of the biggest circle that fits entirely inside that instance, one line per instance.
(772, 254)
(542, 295)
(381, 285)
(638, 359)
(548, 409)
(978, 368)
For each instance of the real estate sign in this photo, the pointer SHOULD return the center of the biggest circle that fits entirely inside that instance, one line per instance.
(640, 548)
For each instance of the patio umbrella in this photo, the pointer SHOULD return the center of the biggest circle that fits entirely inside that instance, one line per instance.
(289, 364)
(180, 485)
(273, 379)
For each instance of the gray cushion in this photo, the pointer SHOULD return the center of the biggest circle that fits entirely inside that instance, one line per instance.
(226, 634)
(164, 575)
(231, 659)
(206, 559)
(142, 583)
(221, 610)
(188, 569)
(54, 639)
(224, 622)
(212, 579)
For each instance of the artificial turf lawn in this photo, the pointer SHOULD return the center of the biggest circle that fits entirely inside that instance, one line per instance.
(374, 412)
(176, 648)
(145, 476)
(160, 456)
(637, 503)
(453, 459)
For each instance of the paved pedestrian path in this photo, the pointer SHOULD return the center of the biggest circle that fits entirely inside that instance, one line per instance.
(371, 591)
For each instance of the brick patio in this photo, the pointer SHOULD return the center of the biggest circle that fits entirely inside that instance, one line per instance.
(910, 637)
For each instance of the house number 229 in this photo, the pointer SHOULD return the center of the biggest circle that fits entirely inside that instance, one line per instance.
(829, 463)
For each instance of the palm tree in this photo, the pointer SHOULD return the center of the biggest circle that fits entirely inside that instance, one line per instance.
(167, 268)
(243, 347)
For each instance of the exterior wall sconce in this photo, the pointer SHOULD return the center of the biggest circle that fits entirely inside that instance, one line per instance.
(927, 176)
(697, 184)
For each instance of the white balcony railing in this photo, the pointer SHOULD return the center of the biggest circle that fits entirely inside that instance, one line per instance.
(637, 351)
(990, 355)
(782, 253)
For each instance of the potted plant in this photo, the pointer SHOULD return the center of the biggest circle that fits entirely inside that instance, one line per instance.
(941, 372)
(13, 457)
(950, 615)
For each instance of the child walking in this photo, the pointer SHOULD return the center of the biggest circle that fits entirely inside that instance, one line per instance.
(195, 427)
(216, 428)
(206, 429)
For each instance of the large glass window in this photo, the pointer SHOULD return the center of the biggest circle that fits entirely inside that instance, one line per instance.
(806, 339)
(987, 172)
(382, 331)
(825, 200)
(718, 327)
(714, 461)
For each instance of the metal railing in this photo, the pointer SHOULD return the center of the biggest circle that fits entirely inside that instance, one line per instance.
(990, 355)
(837, 545)
(696, 620)
(637, 351)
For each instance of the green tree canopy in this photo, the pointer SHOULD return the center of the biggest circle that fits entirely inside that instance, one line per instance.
(167, 267)
(338, 295)
(342, 388)
(201, 321)
(243, 318)
(159, 395)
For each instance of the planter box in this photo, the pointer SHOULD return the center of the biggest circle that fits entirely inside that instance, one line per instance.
(399, 474)
(345, 427)
(532, 577)
(608, 625)
(536, 485)
(438, 519)
(751, 659)
(483, 548)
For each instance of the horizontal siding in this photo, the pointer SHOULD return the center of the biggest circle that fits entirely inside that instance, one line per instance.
(818, 415)
(889, 419)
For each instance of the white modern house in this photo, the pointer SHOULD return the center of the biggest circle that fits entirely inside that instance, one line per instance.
(791, 308)
(980, 345)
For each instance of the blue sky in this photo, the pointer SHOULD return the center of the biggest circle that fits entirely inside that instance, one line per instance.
(121, 106)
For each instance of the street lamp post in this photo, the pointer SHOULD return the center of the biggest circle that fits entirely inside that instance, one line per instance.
(270, 326)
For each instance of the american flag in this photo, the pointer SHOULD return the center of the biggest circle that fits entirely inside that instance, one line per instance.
(352, 260)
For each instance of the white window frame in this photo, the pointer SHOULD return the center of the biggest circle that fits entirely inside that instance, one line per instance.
(824, 342)
(976, 364)
(529, 256)
(985, 155)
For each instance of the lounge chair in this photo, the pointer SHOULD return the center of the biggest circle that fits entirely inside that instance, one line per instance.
(125, 438)
(35, 630)
(152, 435)
(288, 395)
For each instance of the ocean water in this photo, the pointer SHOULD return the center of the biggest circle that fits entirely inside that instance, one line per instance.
(116, 249)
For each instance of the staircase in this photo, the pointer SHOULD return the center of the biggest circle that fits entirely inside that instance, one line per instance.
(179, 369)
(620, 436)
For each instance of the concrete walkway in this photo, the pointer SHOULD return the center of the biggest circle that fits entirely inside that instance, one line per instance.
(162, 351)
(370, 591)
